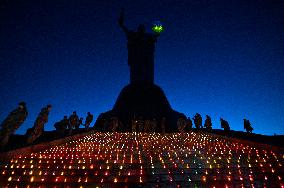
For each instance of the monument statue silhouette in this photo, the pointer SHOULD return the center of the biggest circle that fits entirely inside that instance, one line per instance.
(141, 99)
(141, 48)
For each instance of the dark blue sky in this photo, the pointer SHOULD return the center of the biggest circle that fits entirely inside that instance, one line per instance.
(222, 58)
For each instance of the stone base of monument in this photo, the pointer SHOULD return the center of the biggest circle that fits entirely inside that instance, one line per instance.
(140, 101)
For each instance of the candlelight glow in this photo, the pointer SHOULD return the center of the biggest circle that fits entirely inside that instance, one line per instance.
(180, 160)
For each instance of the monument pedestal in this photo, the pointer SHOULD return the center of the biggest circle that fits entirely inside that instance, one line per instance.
(140, 100)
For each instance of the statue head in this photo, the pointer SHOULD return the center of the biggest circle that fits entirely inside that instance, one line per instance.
(141, 28)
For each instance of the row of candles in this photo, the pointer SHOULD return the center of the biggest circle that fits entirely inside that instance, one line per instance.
(177, 159)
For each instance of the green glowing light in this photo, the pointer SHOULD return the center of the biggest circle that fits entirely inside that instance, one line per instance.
(158, 28)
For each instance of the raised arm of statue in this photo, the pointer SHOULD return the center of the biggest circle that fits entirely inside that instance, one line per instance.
(121, 21)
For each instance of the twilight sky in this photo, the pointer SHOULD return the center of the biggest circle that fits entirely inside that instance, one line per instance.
(221, 58)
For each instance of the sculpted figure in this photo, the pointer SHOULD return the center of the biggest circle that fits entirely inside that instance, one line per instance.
(13, 121)
(141, 48)
(38, 128)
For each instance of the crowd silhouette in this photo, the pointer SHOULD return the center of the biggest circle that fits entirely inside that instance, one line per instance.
(67, 125)
(16, 118)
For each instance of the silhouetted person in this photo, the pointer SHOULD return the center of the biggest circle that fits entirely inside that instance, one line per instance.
(38, 128)
(88, 121)
(79, 122)
(114, 124)
(208, 123)
(141, 47)
(65, 123)
(153, 125)
(147, 125)
(73, 121)
(134, 124)
(188, 124)
(12, 122)
(140, 124)
(101, 123)
(106, 125)
(61, 126)
(197, 121)
(247, 126)
(225, 125)
(181, 124)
